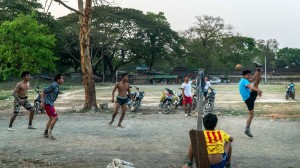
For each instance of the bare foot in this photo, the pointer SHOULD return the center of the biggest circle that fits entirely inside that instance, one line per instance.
(121, 126)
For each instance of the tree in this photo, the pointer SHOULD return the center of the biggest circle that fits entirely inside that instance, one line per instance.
(236, 50)
(10, 9)
(25, 45)
(84, 13)
(287, 57)
(158, 40)
(267, 49)
(203, 38)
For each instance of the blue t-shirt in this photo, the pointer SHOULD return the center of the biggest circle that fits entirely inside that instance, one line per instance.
(244, 90)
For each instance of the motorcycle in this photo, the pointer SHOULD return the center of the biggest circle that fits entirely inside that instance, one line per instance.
(208, 103)
(136, 98)
(290, 93)
(167, 100)
(210, 100)
(37, 102)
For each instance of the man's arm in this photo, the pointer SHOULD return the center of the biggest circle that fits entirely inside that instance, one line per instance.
(230, 139)
(113, 93)
(15, 93)
(128, 90)
(42, 99)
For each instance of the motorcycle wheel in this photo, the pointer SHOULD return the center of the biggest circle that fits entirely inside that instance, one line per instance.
(134, 107)
(209, 106)
(166, 108)
(293, 96)
(176, 104)
(287, 96)
(36, 107)
(194, 104)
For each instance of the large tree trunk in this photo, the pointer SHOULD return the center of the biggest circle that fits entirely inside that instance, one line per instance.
(85, 58)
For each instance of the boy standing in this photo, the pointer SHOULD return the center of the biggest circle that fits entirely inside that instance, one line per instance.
(249, 92)
(48, 97)
(122, 98)
(187, 95)
(20, 94)
(218, 144)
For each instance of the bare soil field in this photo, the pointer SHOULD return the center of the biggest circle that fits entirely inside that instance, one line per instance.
(151, 139)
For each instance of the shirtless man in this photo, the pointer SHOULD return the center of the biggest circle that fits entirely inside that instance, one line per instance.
(20, 94)
(123, 88)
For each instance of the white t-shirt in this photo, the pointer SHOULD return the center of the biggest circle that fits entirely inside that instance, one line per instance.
(207, 85)
(187, 88)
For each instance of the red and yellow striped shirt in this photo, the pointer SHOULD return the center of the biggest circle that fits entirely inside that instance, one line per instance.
(215, 140)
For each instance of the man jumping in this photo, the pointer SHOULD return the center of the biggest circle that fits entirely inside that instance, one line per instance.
(249, 92)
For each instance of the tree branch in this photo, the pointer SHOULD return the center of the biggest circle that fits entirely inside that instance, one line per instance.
(68, 7)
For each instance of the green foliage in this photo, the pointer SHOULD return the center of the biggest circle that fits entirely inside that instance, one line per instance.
(25, 45)
(287, 57)
(203, 40)
(122, 37)
(10, 9)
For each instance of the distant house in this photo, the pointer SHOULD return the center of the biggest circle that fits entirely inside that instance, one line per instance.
(141, 70)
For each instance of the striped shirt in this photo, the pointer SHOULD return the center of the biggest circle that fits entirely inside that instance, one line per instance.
(51, 93)
(215, 140)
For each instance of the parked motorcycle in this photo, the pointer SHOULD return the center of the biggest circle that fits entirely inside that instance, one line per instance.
(208, 103)
(37, 102)
(167, 99)
(136, 98)
(210, 100)
(290, 93)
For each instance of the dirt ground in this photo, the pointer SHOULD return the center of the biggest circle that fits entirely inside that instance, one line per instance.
(151, 139)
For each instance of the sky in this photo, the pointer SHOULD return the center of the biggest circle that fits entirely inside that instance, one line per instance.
(260, 19)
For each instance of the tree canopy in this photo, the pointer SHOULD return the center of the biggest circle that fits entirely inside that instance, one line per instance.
(25, 45)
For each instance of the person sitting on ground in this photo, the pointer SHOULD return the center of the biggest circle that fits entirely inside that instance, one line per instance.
(218, 144)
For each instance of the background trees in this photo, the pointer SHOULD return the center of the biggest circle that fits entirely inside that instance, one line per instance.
(122, 39)
(25, 45)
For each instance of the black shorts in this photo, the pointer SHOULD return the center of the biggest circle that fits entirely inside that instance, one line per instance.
(250, 101)
(122, 101)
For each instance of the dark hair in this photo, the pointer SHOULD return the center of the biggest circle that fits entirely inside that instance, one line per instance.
(24, 73)
(124, 74)
(186, 76)
(57, 77)
(246, 72)
(210, 121)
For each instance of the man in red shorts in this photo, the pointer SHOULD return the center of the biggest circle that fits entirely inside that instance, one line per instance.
(187, 95)
(48, 97)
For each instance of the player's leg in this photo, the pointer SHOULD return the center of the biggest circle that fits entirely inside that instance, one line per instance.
(47, 127)
(257, 78)
(52, 124)
(117, 106)
(15, 114)
(248, 123)
(28, 107)
(228, 150)
(190, 158)
(189, 103)
(124, 106)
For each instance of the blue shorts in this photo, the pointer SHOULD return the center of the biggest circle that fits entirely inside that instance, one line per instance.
(222, 163)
